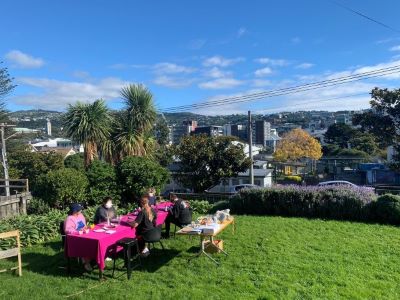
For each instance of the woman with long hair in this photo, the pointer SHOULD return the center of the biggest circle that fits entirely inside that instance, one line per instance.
(145, 221)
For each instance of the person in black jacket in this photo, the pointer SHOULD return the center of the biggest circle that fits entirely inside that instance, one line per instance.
(180, 214)
(106, 210)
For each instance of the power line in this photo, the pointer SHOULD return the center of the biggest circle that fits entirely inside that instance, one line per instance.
(289, 90)
(316, 101)
(365, 16)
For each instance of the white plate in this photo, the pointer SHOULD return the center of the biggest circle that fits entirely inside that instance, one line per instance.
(98, 230)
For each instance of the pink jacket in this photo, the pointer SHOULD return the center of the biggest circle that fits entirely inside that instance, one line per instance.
(71, 223)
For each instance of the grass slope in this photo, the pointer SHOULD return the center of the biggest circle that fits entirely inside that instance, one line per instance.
(270, 258)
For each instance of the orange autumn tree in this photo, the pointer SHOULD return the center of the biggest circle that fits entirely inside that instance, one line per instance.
(297, 144)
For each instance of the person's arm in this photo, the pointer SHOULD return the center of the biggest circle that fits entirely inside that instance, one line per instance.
(176, 209)
(70, 226)
(138, 220)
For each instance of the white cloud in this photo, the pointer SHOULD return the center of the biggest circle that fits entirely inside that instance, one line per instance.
(56, 94)
(242, 31)
(272, 62)
(221, 61)
(216, 72)
(172, 82)
(81, 74)
(260, 83)
(263, 72)
(170, 68)
(395, 48)
(221, 83)
(22, 60)
(304, 66)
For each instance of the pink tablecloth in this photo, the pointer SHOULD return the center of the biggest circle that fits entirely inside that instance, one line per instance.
(97, 245)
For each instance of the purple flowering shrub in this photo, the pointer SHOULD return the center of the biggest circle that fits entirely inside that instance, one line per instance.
(331, 202)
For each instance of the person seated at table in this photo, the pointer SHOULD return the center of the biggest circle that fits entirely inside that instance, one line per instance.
(145, 222)
(180, 214)
(152, 196)
(74, 223)
(105, 211)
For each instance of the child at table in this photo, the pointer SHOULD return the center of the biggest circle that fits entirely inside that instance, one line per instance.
(145, 224)
(74, 223)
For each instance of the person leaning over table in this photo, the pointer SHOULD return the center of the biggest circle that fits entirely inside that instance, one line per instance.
(144, 223)
(74, 223)
(106, 210)
(180, 214)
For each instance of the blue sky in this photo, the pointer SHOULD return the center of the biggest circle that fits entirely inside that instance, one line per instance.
(192, 51)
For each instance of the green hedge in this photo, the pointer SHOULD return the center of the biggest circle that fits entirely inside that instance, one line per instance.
(339, 203)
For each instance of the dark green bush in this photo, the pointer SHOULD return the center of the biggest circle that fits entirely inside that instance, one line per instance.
(37, 207)
(339, 202)
(62, 187)
(387, 209)
(136, 174)
(102, 182)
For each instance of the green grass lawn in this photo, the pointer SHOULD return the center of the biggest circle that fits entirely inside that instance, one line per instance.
(270, 258)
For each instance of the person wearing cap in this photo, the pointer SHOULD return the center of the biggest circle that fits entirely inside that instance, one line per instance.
(105, 211)
(74, 223)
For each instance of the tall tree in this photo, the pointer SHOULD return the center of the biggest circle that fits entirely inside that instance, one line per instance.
(204, 161)
(385, 105)
(6, 82)
(134, 125)
(297, 144)
(89, 124)
(339, 134)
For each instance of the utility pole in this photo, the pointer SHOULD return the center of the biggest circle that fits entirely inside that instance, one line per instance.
(250, 138)
(4, 157)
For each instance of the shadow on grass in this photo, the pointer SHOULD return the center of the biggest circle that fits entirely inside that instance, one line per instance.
(56, 264)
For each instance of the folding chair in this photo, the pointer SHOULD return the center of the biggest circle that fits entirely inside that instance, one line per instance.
(13, 251)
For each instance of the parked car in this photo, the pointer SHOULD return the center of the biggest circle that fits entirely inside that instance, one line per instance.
(237, 188)
(168, 192)
(344, 183)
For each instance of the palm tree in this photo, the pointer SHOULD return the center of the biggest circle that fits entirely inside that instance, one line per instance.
(89, 124)
(136, 122)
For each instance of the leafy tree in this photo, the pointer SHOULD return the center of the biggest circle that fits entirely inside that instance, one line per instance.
(204, 161)
(162, 132)
(339, 134)
(365, 142)
(164, 155)
(89, 124)
(297, 144)
(31, 165)
(380, 126)
(62, 187)
(133, 134)
(75, 161)
(384, 119)
(102, 182)
(136, 174)
(6, 83)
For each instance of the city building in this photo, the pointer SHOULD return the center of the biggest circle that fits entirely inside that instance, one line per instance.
(48, 127)
(25, 130)
(184, 129)
(262, 132)
(209, 130)
(236, 130)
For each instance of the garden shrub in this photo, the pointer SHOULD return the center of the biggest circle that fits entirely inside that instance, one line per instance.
(37, 206)
(337, 202)
(136, 174)
(102, 182)
(62, 187)
(387, 209)
(200, 206)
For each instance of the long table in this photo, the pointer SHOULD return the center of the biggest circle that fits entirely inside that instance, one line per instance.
(207, 240)
(99, 245)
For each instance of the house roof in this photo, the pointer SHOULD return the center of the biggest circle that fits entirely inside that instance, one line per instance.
(257, 173)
